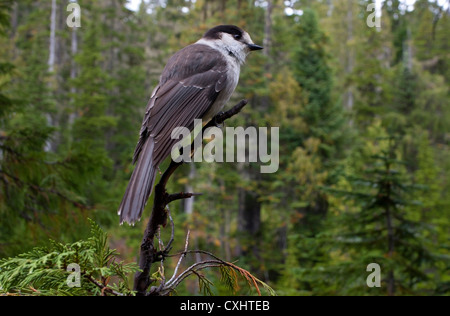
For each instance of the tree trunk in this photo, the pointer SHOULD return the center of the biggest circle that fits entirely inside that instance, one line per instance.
(14, 19)
(49, 146)
(249, 222)
(330, 8)
(189, 203)
(73, 71)
(391, 279)
(52, 47)
(390, 231)
(267, 42)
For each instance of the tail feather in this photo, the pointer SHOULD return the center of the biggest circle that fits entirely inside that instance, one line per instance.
(140, 186)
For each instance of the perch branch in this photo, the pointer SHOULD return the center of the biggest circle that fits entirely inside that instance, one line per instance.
(158, 217)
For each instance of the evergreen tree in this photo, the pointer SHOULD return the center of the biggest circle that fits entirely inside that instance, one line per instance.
(381, 229)
(323, 117)
(312, 72)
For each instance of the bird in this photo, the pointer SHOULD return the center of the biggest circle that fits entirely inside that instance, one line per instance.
(196, 83)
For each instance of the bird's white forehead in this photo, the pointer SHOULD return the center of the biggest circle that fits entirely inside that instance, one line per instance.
(247, 38)
(229, 39)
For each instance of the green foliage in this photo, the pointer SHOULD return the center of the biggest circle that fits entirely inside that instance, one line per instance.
(383, 228)
(48, 270)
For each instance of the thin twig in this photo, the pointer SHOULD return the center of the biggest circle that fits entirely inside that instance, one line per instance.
(172, 234)
(102, 287)
(186, 244)
(182, 196)
(197, 251)
(195, 267)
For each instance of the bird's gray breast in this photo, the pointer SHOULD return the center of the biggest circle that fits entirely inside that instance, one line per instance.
(224, 95)
(232, 69)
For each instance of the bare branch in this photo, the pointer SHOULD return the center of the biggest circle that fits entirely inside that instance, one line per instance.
(181, 259)
(172, 234)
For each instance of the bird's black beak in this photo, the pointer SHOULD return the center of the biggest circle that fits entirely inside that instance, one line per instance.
(254, 47)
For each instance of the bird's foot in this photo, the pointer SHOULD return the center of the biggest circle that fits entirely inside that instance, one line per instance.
(217, 124)
(163, 254)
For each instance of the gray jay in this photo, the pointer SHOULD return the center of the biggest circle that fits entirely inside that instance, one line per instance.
(195, 84)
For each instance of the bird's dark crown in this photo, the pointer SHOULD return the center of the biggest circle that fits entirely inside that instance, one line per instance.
(214, 33)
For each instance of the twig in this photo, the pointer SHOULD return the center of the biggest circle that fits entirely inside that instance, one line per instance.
(187, 273)
(181, 259)
(189, 270)
(102, 287)
(185, 252)
(172, 234)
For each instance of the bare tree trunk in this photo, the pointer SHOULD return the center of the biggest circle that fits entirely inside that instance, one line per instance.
(49, 146)
(205, 11)
(223, 8)
(189, 203)
(51, 57)
(73, 115)
(407, 51)
(390, 232)
(73, 71)
(14, 19)
(226, 240)
(267, 42)
(249, 213)
(391, 248)
(249, 219)
(330, 8)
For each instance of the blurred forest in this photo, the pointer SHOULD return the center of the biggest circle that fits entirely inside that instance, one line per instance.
(364, 118)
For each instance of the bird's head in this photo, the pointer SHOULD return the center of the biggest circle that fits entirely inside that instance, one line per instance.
(233, 40)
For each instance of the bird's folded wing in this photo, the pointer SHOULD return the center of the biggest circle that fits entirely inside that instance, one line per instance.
(178, 103)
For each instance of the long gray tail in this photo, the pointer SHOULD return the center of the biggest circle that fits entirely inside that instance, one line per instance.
(140, 186)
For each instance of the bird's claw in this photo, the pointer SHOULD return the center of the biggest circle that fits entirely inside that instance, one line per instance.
(161, 255)
(215, 120)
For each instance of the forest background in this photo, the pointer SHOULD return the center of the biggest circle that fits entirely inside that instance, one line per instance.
(361, 99)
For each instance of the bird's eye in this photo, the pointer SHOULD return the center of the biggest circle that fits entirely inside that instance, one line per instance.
(237, 36)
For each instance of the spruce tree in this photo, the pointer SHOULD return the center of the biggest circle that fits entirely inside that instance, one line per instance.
(380, 228)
